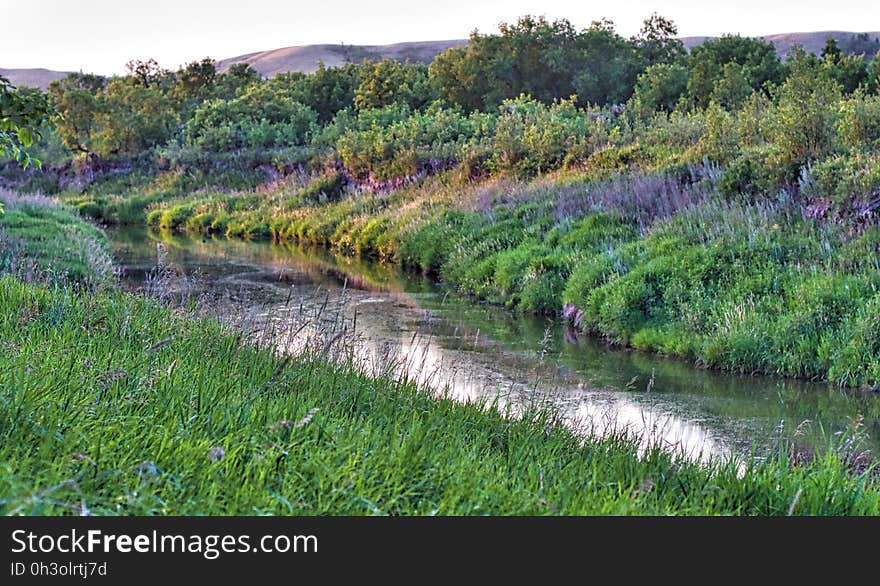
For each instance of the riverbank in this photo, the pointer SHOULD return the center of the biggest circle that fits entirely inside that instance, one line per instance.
(117, 404)
(43, 241)
(738, 234)
(642, 260)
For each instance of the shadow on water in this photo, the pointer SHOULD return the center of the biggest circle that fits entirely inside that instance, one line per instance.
(478, 350)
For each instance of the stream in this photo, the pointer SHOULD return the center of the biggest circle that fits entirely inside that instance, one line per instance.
(476, 351)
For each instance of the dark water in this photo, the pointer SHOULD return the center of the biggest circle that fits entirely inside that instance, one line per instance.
(476, 350)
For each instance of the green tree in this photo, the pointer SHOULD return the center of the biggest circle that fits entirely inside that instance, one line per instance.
(761, 66)
(806, 111)
(732, 88)
(660, 87)
(132, 117)
(329, 89)
(850, 71)
(264, 116)
(456, 76)
(874, 74)
(388, 82)
(657, 42)
(75, 99)
(194, 84)
(145, 73)
(606, 66)
(545, 60)
(753, 119)
(831, 52)
(859, 124)
(235, 80)
(22, 112)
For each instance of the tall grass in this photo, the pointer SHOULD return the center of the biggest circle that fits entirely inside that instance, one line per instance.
(114, 404)
(659, 261)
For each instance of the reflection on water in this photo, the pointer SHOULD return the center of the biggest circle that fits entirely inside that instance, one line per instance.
(476, 351)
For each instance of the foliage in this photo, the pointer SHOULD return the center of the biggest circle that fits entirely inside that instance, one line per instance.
(304, 435)
(547, 61)
(260, 117)
(391, 82)
(760, 66)
(806, 111)
(22, 112)
(659, 87)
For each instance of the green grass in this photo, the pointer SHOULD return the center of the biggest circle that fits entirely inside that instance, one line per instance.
(42, 240)
(95, 417)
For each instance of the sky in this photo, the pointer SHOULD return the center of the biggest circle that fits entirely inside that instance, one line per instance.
(100, 36)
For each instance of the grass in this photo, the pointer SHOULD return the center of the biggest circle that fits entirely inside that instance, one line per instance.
(40, 239)
(115, 404)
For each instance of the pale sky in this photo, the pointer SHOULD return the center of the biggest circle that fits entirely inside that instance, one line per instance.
(100, 36)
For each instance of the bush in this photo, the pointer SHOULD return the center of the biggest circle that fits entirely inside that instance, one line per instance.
(263, 117)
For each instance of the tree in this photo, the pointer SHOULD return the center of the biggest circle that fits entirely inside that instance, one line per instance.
(235, 80)
(329, 89)
(850, 71)
(75, 99)
(388, 82)
(874, 73)
(264, 116)
(545, 60)
(660, 87)
(132, 117)
(606, 66)
(145, 73)
(807, 106)
(761, 67)
(831, 52)
(456, 76)
(195, 84)
(22, 112)
(657, 42)
(732, 89)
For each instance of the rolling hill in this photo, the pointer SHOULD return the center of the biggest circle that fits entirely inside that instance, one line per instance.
(40, 78)
(306, 58)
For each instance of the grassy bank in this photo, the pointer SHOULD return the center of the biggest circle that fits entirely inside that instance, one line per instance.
(113, 404)
(41, 240)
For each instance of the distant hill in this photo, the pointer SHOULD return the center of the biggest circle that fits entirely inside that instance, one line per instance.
(40, 78)
(849, 42)
(305, 58)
